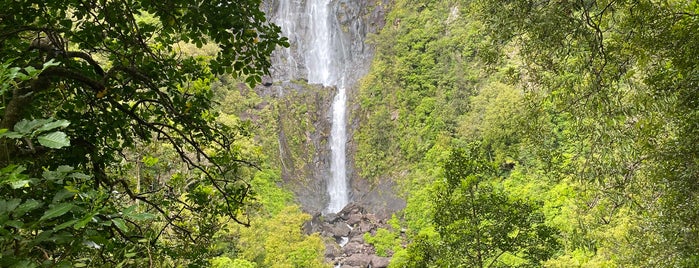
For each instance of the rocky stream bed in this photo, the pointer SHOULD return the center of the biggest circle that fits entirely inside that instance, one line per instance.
(344, 237)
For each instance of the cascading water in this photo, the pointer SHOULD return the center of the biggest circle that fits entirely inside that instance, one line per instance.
(316, 36)
(322, 62)
(337, 186)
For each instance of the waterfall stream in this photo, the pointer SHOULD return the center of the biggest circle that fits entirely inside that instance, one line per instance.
(337, 186)
(323, 61)
(315, 33)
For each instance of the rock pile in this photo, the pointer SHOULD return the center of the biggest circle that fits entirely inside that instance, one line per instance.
(344, 237)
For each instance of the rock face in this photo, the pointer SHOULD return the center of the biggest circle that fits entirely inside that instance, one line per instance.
(344, 236)
(354, 19)
(305, 161)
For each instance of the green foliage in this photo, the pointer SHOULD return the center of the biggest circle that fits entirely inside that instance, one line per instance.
(225, 262)
(585, 111)
(385, 241)
(279, 241)
(418, 85)
(110, 144)
(478, 224)
(269, 193)
(615, 80)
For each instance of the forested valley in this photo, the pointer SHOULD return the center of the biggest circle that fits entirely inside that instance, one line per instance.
(349, 133)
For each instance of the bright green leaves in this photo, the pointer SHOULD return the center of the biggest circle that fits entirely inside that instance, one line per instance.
(479, 224)
(384, 241)
(279, 241)
(31, 128)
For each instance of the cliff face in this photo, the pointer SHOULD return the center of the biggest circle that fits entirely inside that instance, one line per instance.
(303, 109)
(352, 21)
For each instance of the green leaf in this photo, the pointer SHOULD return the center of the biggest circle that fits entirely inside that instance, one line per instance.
(57, 175)
(84, 221)
(54, 140)
(64, 225)
(62, 194)
(26, 126)
(78, 175)
(129, 210)
(11, 135)
(9, 205)
(31, 70)
(15, 178)
(50, 63)
(57, 211)
(150, 161)
(52, 125)
(25, 207)
(19, 184)
(121, 224)
(14, 223)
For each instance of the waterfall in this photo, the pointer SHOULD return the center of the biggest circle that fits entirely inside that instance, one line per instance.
(316, 38)
(324, 66)
(337, 186)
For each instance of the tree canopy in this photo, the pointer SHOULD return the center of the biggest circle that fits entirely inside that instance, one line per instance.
(587, 108)
(93, 90)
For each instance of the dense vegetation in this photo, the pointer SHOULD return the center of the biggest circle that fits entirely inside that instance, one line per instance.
(529, 133)
(113, 151)
(521, 134)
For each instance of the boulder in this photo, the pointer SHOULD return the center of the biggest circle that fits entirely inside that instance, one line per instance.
(357, 239)
(379, 262)
(365, 227)
(354, 219)
(360, 260)
(314, 225)
(330, 218)
(340, 229)
(332, 250)
(352, 248)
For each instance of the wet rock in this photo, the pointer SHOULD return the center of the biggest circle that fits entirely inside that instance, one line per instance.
(331, 218)
(358, 239)
(332, 250)
(365, 227)
(314, 225)
(354, 219)
(352, 248)
(340, 229)
(345, 245)
(360, 260)
(379, 262)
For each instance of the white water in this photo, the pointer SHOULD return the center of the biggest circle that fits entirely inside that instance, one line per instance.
(337, 186)
(324, 59)
(289, 27)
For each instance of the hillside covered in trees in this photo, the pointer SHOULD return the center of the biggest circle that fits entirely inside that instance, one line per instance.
(480, 134)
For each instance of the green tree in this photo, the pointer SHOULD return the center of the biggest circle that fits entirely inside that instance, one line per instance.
(121, 80)
(279, 241)
(478, 224)
(622, 76)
